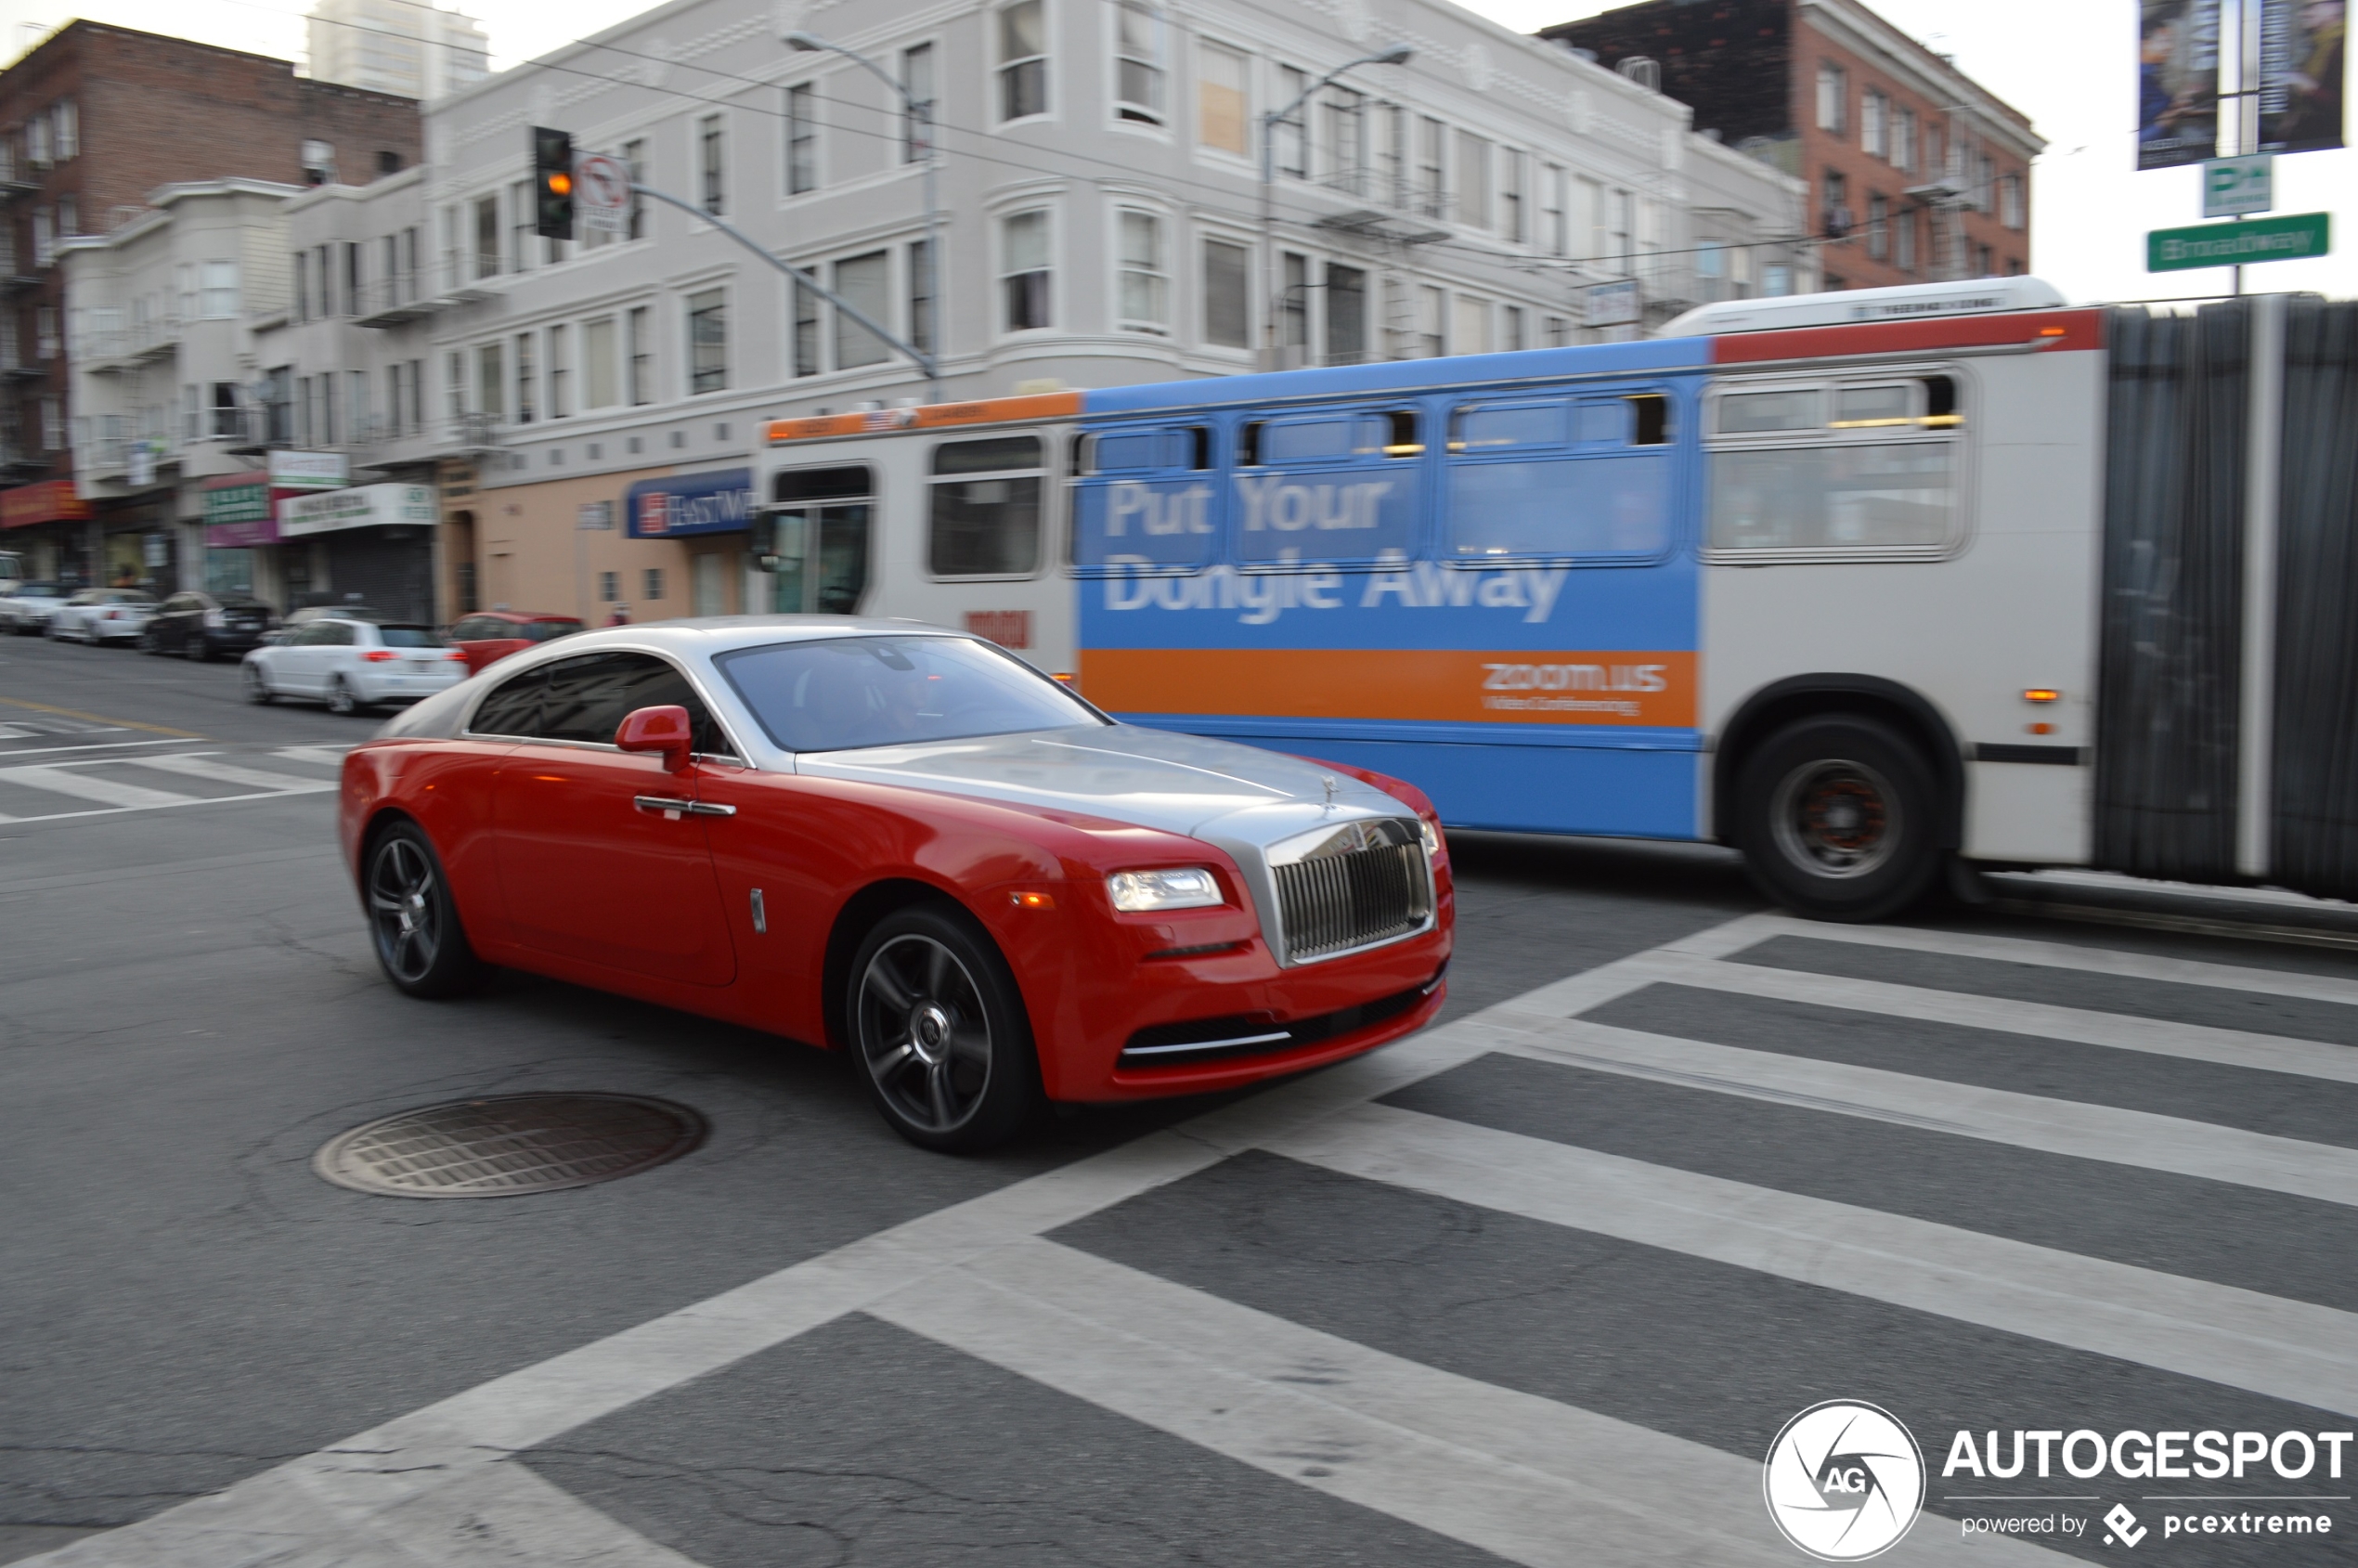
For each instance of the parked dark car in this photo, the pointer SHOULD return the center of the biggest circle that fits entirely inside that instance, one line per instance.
(204, 625)
(491, 635)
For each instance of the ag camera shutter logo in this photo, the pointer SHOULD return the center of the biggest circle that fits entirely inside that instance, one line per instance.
(1843, 1481)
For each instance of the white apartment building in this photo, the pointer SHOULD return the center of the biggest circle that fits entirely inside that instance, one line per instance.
(403, 46)
(161, 317)
(1099, 223)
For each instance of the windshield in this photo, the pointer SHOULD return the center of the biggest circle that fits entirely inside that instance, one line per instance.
(408, 637)
(847, 692)
(543, 632)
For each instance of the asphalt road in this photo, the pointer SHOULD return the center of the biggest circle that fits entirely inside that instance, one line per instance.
(1539, 1286)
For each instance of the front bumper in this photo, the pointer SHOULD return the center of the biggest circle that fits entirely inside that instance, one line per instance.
(1099, 1035)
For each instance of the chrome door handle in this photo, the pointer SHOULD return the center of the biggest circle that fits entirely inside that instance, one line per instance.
(674, 810)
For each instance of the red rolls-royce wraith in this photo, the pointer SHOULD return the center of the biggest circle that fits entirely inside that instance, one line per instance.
(903, 842)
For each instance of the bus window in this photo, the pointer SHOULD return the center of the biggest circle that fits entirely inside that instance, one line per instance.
(1292, 441)
(1333, 491)
(984, 506)
(1248, 446)
(1747, 413)
(1555, 482)
(1862, 467)
(1148, 498)
(819, 521)
(1654, 419)
(1506, 425)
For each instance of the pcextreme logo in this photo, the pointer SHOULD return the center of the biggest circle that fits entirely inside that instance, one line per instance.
(1843, 1481)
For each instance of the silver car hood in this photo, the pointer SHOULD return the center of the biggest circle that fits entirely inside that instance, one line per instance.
(1209, 789)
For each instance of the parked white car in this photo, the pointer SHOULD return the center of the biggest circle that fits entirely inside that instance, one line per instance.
(25, 608)
(351, 665)
(102, 614)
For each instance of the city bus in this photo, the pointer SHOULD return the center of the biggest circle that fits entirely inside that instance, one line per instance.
(1877, 588)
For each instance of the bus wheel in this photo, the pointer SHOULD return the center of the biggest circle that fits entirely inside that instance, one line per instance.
(1835, 817)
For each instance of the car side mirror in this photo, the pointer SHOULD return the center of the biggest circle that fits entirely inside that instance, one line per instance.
(663, 730)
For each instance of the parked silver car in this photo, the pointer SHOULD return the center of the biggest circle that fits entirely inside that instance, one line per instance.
(25, 607)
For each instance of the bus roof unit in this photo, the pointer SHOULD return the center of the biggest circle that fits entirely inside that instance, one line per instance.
(1852, 307)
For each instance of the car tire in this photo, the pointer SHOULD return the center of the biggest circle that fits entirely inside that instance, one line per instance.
(938, 1029)
(1836, 817)
(195, 650)
(146, 641)
(413, 921)
(257, 686)
(340, 698)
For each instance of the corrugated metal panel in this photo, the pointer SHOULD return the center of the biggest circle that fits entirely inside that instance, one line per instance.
(2315, 844)
(2172, 624)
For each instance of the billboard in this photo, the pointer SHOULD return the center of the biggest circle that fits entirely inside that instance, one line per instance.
(2177, 81)
(2301, 74)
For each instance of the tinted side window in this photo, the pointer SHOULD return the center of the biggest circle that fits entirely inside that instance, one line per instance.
(514, 707)
(588, 697)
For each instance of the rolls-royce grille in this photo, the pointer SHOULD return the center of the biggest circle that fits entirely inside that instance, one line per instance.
(1331, 902)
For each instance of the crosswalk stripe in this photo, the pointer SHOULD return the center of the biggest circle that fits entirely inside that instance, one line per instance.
(201, 765)
(2228, 1047)
(2070, 1127)
(325, 755)
(2065, 956)
(1530, 1480)
(2290, 1350)
(82, 785)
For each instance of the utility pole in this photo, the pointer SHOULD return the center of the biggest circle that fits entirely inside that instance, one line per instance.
(1396, 54)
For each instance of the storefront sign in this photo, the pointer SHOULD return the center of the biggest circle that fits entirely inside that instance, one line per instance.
(309, 470)
(52, 501)
(238, 511)
(370, 506)
(718, 502)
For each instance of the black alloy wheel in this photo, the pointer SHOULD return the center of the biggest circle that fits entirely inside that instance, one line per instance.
(340, 698)
(194, 649)
(149, 641)
(257, 687)
(1834, 816)
(939, 1029)
(411, 918)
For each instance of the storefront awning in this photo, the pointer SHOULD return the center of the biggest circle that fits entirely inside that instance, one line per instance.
(52, 501)
(720, 502)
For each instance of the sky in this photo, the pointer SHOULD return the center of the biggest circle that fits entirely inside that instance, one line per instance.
(2068, 64)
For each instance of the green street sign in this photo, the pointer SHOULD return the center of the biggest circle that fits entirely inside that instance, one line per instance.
(2294, 237)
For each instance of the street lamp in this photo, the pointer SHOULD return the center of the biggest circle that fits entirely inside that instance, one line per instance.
(807, 42)
(1396, 54)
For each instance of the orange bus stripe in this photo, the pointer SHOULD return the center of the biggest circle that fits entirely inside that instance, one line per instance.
(1652, 689)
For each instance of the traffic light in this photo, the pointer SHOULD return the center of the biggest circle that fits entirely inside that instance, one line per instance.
(552, 183)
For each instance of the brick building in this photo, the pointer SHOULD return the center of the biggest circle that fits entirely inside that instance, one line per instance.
(92, 121)
(1915, 172)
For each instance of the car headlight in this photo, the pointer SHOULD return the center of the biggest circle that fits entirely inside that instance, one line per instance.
(1431, 834)
(1141, 892)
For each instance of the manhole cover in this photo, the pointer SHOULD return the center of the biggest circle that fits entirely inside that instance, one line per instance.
(510, 1145)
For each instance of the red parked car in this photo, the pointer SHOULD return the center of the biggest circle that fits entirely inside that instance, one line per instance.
(489, 635)
(903, 842)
